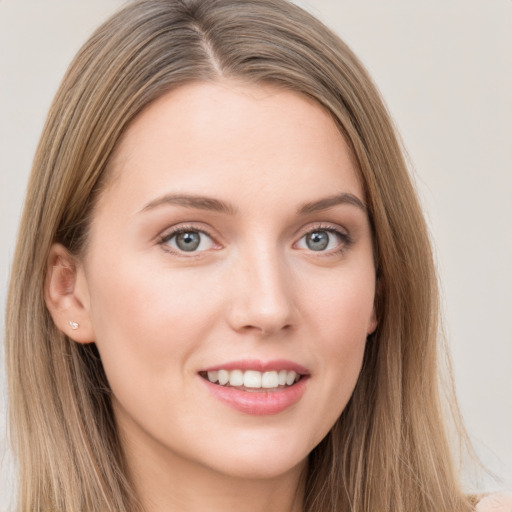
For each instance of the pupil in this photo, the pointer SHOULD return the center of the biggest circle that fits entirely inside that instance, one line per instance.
(188, 241)
(318, 240)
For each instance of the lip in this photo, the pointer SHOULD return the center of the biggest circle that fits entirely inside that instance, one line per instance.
(261, 402)
(258, 403)
(260, 366)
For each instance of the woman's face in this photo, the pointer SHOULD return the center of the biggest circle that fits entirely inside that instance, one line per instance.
(231, 243)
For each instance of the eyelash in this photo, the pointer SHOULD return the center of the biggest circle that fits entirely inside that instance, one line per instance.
(164, 239)
(345, 243)
(346, 240)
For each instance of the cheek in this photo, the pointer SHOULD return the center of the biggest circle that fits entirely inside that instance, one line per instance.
(342, 315)
(147, 327)
(341, 306)
(143, 317)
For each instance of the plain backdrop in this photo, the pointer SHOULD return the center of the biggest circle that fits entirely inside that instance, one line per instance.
(445, 70)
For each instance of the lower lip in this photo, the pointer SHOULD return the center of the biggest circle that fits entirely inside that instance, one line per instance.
(258, 403)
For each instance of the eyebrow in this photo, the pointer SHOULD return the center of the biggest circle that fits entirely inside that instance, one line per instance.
(329, 202)
(216, 205)
(192, 201)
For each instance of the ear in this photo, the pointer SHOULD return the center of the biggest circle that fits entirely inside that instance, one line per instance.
(374, 322)
(67, 296)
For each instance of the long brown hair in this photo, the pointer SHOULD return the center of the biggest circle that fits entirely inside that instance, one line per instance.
(388, 450)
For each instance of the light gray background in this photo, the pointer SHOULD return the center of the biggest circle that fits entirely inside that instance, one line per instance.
(445, 70)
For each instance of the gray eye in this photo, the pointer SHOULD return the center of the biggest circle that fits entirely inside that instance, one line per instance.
(317, 240)
(321, 240)
(188, 241)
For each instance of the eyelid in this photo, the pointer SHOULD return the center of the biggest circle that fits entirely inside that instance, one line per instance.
(342, 233)
(169, 233)
(173, 231)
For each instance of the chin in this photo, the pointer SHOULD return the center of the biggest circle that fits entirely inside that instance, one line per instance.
(257, 461)
(267, 468)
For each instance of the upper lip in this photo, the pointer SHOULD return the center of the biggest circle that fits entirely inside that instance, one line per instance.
(258, 365)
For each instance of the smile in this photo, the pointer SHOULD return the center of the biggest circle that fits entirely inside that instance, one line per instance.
(256, 387)
(253, 379)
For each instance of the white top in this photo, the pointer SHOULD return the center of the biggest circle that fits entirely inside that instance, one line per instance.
(495, 503)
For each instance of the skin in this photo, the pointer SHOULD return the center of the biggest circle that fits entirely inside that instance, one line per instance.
(254, 290)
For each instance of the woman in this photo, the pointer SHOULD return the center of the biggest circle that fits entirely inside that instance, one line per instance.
(223, 293)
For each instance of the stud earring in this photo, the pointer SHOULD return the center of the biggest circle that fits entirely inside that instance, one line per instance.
(74, 325)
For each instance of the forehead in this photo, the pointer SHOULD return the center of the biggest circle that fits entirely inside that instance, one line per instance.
(209, 136)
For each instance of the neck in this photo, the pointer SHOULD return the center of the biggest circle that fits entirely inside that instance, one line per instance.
(165, 482)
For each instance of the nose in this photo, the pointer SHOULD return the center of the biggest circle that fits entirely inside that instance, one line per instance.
(261, 295)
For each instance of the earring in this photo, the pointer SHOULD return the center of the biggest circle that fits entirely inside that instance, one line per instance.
(74, 325)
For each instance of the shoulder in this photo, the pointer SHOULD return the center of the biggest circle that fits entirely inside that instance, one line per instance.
(501, 502)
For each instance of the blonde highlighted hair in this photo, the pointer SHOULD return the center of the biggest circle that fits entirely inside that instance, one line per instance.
(388, 451)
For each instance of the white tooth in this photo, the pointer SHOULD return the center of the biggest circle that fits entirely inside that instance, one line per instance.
(252, 379)
(213, 376)
(236, 378)
(290, 377)
(282, 377)
(269, 380)
(223, 376)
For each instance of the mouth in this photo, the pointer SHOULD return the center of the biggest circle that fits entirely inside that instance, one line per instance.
(253, 380)
(255, 387)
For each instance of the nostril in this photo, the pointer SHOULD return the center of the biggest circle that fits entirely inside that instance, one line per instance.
(266, 331)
